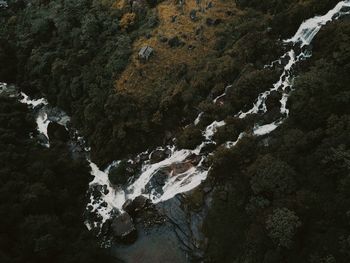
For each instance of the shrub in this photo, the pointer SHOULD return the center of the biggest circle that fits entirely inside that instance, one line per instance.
(128, 21)
(272, 176)
(282, 225)
(190, 138)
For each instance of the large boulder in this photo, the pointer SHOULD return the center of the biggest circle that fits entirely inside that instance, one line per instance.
(157, 156)
(120, 174)
(124, 229)
(132, 207)
(157, 181)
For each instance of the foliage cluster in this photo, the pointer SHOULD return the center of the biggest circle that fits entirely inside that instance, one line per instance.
(289, 191)
(42, 196)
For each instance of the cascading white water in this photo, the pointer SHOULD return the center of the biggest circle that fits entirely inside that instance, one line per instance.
(193, 173)
(309, 28)
(303, 37)
(44, 113)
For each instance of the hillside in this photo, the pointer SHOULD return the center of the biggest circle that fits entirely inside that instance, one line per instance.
(228, 144)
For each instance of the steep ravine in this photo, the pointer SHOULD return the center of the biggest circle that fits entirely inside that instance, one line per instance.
(193, 168)
(160, 175)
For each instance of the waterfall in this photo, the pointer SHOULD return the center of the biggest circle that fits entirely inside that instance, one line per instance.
(185, 169)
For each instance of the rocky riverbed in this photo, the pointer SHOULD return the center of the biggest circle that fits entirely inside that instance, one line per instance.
(168, 231)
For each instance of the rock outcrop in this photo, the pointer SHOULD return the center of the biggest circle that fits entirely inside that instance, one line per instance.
(123, 228)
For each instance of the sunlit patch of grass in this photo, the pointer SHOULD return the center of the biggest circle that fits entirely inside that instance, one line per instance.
(141, 77)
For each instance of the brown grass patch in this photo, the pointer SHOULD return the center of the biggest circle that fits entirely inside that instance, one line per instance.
(140, 77)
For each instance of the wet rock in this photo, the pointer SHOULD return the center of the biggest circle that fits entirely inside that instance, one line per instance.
(288, 89)
(140, 203)
(42, 139)
(132, 207)
(119, 175)
(157, 156)
(143, 157)
(179, 168)
(168, 152)
(127, 206)
(57, 132)
(58, 116)
(91, 218)
(96, 191)
(157, 181)
(160, 177)
(187, 225)
(89, 208)
(105, 189)
(194, 159)
(178, 217)
(175, 42)
(346, 9)
(7, 90)
(123, 229)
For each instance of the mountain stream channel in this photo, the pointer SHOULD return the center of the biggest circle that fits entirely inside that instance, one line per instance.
(148, 215)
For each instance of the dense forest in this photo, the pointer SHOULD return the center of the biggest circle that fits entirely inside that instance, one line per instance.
(43, 196)
(72, 52)
(287, 194)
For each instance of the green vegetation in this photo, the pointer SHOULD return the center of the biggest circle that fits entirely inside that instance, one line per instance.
(73, 52)
(281, 198)
(190, 138)
(282, 225)
(295, 202)
(42, 196)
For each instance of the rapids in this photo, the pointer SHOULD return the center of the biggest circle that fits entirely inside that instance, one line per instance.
(194, 168)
